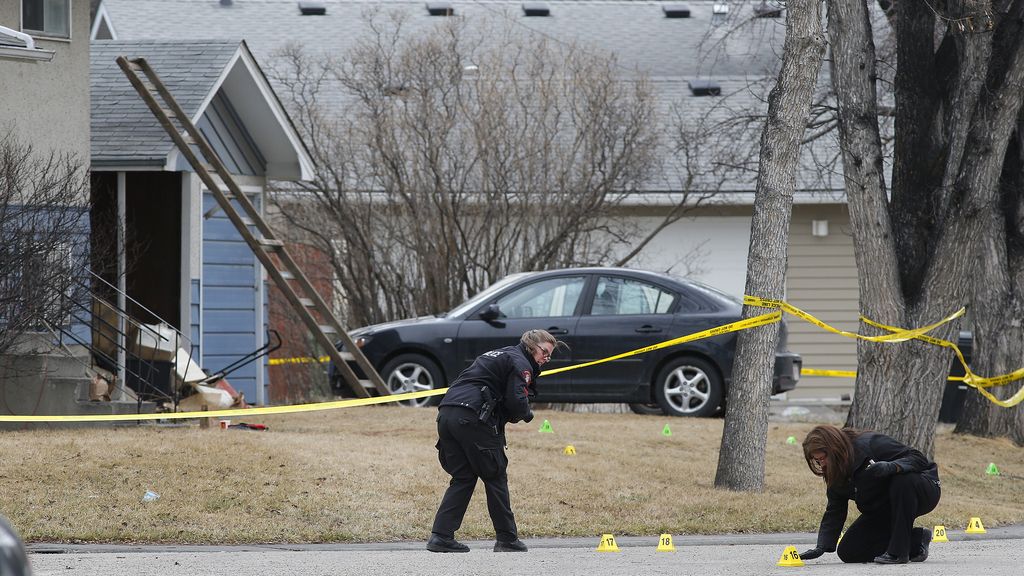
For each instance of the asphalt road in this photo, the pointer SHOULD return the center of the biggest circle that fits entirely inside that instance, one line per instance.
(1000, 552)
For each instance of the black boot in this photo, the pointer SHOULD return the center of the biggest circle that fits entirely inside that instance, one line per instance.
(922, 554)
(513, 546)
(890, 559)
(441, 544)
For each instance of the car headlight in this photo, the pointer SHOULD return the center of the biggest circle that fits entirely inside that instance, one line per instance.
(361, 341)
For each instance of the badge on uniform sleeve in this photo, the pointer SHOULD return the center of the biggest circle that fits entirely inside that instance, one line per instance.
(526, 376)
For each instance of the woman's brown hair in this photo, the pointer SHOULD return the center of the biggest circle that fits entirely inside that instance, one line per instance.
(837, 444)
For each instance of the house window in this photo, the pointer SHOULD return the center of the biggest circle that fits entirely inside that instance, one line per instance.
(46, 17)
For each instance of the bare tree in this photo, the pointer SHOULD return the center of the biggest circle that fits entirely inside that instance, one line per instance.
(741, 461)
(43, 218)
(449, 159)
(957, 95)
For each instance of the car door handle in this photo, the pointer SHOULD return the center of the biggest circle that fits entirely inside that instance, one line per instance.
(648, 329)
(554, 331)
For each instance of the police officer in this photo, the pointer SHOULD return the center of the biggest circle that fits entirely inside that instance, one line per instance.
(492, 391)
(892, 485)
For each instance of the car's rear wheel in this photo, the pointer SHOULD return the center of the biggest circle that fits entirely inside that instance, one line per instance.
(413, 373)
(646, 409)
(688, 387)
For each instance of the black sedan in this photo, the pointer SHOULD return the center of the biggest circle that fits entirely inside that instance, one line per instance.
(598, 312)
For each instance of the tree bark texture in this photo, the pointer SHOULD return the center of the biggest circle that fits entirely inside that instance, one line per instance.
(999, 305)
(955, 103)
(741, 462)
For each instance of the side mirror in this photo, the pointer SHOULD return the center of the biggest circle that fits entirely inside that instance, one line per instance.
(491, 313)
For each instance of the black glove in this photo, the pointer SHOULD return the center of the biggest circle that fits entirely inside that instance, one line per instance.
(811, 554)
(882, 469)
(529, 416)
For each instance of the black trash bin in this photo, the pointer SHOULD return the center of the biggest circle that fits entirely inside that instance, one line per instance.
(956, 390)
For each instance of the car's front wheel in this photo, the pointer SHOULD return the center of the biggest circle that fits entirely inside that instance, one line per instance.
(688, 387)
(413, 373)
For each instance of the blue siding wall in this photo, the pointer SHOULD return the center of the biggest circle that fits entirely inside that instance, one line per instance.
(230, 276)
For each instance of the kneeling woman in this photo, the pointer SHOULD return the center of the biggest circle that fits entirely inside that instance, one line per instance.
(892, 485)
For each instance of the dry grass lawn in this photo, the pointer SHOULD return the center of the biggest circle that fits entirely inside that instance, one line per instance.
(371, 474)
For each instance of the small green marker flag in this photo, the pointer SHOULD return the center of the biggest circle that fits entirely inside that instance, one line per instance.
(791, 440)
(992, 470)
(666, 431)
(546, 427)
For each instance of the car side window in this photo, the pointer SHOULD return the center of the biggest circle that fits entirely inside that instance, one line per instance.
(621, 296)
(552, 297)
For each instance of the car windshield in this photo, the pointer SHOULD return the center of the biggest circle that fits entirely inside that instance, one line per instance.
(484, 296)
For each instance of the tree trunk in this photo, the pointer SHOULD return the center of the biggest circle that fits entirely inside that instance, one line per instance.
(905, 282)
(998, 306)
(741, 462)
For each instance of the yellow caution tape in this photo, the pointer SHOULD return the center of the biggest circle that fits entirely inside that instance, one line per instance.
(716, 331)
(901, 335)
(836, 373)
(299, 360)
(896, 335)
(261, 411)
(979, 383)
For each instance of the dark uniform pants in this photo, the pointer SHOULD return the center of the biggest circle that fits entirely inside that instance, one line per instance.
(469, 450)
(891, 528)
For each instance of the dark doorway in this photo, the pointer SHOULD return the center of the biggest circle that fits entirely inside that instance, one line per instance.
(153, 222)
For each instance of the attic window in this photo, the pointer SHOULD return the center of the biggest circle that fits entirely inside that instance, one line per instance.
(311, 8)
(704, 88)
(764, 10)
(536, 9)
(440, 9)
(676, 10)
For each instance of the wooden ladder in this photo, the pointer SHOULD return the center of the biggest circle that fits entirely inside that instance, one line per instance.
(268, 248)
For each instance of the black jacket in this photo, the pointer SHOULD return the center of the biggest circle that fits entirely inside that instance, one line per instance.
(871, 494)
(510, 373)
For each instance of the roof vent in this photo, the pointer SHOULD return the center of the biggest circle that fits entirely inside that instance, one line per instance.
(536, 9)
(676, 10)
(763, 10)
(226, 3)
(311, 8)
(704, 88)
(440, 9)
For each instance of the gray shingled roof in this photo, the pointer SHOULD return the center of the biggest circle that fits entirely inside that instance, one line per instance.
(670, 51)
(124, 131)
(638, 32)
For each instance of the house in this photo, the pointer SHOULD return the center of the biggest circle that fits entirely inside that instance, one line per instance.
(693, 62)
(149, 230)
(190, 268)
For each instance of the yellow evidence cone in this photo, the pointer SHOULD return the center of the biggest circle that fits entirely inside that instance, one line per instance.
(790, 557)
(791, 440)
(665, 543)
(607, 544)
(974, 526)
(666, 431)
(546, 427)
(939, 534)
(569, 450)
